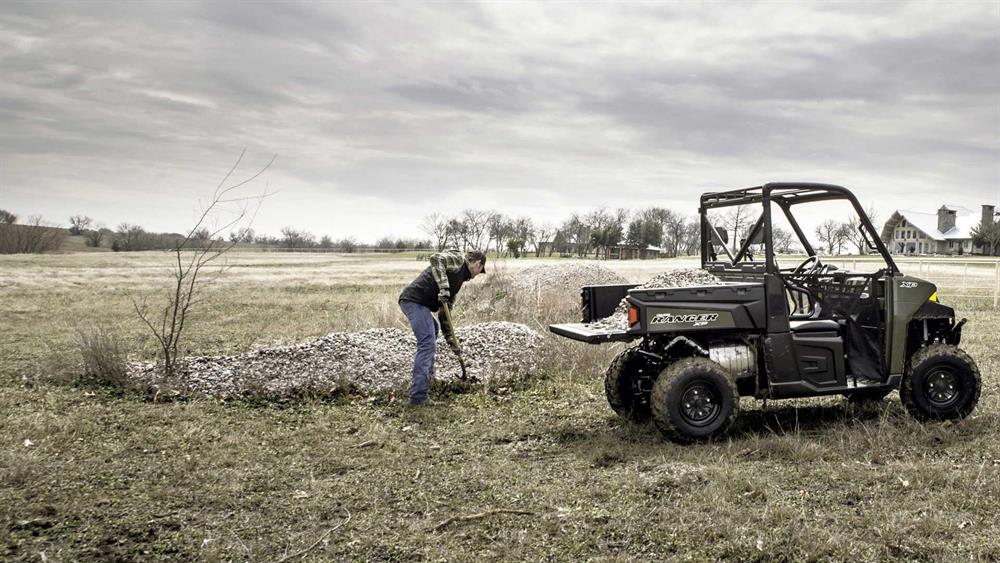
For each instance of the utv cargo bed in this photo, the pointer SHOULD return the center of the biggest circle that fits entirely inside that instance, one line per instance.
(585, 332)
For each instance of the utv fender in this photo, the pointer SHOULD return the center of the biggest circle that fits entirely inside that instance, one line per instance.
(933, 310)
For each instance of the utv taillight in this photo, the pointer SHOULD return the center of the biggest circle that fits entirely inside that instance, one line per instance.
(633, 315)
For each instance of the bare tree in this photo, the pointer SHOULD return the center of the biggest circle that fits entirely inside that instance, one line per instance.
(78, 224)
(523, 232)
(852, 230)
(228, 206)
(833, 234)
(346, 245)
(436, 227)
(737, 220)
(95, 236)
(543, 234)
(674, 226)
(783, 240)
(456, 234)
(294, 238)
(128, 237)
(498, 228)
(692, 236)
(476, 224)
(7, 218)
(243, 234)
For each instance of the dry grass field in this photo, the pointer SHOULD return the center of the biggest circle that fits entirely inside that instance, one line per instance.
(541, 472)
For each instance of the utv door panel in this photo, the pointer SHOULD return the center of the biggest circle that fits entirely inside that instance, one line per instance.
(820, 358)
(805, 364)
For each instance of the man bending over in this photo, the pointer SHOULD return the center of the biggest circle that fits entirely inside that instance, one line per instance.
(438, 283)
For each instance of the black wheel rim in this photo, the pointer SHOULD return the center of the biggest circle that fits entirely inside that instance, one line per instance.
(942, 388)
(700, 404)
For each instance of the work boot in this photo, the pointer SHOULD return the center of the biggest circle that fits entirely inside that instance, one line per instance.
(415, 403)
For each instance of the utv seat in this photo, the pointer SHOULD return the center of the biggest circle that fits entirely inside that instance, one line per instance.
(814, 325)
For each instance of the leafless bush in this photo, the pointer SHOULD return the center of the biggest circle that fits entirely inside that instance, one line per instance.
(95, 237)
(195, 250)
(31, 238)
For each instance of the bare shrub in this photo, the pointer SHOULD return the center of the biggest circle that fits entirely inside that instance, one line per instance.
(104, 356)
(193, 252)
(95, 237)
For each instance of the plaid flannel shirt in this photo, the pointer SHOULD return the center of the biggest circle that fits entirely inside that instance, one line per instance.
(448, 260)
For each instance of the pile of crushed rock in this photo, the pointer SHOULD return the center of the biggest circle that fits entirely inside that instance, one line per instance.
(371, 362)
(681, 277)
(566, 277)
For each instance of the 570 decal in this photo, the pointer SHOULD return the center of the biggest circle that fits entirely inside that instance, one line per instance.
(698, 320)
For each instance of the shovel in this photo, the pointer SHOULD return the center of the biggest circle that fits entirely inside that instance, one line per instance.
(453, 338)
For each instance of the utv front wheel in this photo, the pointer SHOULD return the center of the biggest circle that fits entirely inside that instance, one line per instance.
(941, 383)
(694, 399)
(623, 386)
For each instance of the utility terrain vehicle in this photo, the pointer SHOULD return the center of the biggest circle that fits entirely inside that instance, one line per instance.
(775, 332)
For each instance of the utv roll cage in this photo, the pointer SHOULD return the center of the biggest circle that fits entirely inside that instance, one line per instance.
(784, 195)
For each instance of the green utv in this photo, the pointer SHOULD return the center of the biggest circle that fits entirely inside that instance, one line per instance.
(775, 332)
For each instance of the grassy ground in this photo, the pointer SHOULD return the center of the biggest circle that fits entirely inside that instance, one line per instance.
(89, 473)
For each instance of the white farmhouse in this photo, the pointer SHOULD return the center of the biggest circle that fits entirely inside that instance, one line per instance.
(949, 231)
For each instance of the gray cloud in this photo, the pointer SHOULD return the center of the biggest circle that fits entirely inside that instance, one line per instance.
(381, 113)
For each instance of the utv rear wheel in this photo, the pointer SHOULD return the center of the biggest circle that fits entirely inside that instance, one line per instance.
(694, 399)
(941, 383)
(623, 386)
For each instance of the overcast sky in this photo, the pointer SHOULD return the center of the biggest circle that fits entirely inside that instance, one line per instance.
(382, 113)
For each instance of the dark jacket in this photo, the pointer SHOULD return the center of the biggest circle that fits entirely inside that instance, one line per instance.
(424, 290)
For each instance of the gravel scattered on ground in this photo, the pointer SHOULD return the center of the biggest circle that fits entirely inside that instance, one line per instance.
(371, 362)
(681, 277)
(566, 277)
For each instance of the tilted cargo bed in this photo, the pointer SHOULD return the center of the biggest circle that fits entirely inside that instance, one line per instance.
(590, 334)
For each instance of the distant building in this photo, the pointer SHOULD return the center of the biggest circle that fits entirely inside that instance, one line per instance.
(949, 231)
(632, 252)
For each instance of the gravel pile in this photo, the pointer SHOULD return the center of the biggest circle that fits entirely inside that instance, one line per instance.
(682, 277)
(371, 362)
(566, 277)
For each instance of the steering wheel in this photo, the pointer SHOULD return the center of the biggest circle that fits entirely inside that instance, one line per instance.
(795, 281)
(812, 263)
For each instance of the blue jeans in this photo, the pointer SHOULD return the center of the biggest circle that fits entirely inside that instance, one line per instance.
(426, 330)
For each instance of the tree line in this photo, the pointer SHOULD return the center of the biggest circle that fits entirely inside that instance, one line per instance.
(592, 233)
(595, 232)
